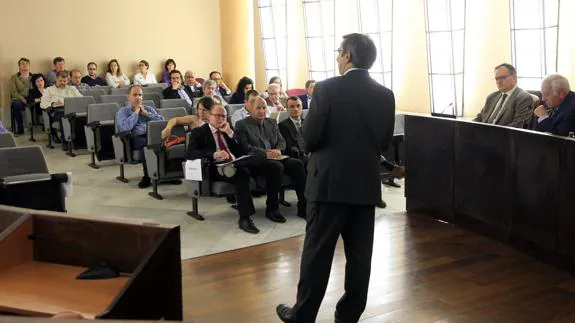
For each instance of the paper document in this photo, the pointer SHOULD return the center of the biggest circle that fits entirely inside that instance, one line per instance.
(233, 161)
(193, 170)
(282, 157)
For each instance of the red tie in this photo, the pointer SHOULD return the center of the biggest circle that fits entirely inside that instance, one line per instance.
(222, 144)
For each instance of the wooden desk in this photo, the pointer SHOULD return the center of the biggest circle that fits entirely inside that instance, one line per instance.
(44, 289)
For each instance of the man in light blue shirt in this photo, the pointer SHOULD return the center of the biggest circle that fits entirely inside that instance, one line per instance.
(134, 118)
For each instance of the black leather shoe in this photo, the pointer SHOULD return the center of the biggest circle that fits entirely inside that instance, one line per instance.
(248, 226)
(275, 216)
(145, 182)
(381, 204)
(231, 199)
(285, 313)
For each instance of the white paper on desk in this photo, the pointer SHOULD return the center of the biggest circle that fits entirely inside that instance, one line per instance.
(68, 185)
(282, 157)
(233, 161)
(193, 170)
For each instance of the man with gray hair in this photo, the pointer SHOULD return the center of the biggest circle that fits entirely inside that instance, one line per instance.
(557, 115)
(273, 100)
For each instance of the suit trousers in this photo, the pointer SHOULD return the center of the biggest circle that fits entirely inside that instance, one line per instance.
(325, 223)
(241, 182)
(138, 143)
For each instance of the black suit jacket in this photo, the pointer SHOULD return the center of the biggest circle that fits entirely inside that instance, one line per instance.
(203, 145)
(170, 93)
(292, 137)
(561, 121)
(349, 124)
(303, 99)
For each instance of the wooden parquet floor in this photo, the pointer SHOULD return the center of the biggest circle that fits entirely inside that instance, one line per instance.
(423, 271)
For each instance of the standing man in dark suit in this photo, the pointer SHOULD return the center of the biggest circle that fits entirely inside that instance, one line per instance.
(217, 142)
(289, 129)
(306, 98)
(350, 123)
(510, 105)
(260, 136)
(559, 98)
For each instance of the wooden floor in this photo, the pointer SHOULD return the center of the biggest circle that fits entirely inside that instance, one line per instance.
(423, 271)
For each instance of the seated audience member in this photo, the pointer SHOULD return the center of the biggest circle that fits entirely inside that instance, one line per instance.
(169, 66)
(510, 105)
(19, 84)
(221, 87)
(559, 98)
(114, 76)
(191, 82)
(306, 98)
(273, 100)
(290, 130)
(260, 137)
(276, 80)
(134, 118)
(176, 90)
(244, 112)
(53, 97)
(36, 92)
(76, 80)
(217, 142)
(244, 85)
(2, 128)
(144, 77)
(192, 121)
(92, 79)
(59, 65)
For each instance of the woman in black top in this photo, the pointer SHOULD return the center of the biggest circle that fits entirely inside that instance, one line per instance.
(35, 94)
(244, 85)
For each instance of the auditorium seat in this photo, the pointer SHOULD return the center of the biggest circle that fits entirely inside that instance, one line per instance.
(120, 99)
(99, 131)
(153, 88)
(74, 120)
(154, 97)
(7, 140)
(164, 164)
(94, 92)
(169, 113)
(282, 116)
(233, 108)
(119, 90)
(173, 103)
(296, 92)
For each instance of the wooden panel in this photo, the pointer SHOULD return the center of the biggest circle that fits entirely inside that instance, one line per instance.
(483, 173)
(7, 218)
(537, 196)
(15, 246)
(566, 196)
(429, 159)
(41, 289)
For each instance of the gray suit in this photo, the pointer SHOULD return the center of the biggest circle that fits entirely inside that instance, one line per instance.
(516, 112)
(251, 140)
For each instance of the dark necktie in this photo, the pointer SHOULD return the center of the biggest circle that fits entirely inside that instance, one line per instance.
(263, 136)
(222, 144)
(497, 111)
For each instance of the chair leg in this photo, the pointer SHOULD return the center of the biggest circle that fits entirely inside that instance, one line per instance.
(154, 192)
(70, 153)
(194, 213)
(49, 145)
(32, 132)
(121, 178)
(93, 161)
(282, 198)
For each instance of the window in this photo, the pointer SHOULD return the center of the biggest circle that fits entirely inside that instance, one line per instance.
(534, 30)
(376, 20)
(445, 31)
(320, 37)
(273, 23)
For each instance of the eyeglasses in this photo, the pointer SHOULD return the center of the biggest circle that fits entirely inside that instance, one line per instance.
(137, 94)
(270, 93)
(501, 78)
(218, 115)
(339, 50)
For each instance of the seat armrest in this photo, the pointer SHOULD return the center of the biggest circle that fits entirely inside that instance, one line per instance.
(124, 135)
(59, 177)
(70, 115)
(93, 124)
(25, 178)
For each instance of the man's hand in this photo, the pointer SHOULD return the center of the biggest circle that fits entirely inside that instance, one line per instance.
(279, 106)
(57, 104)
(24, 100)
(221, 155)
(540, 111)
(273, 154)
(137, 109)
(226, 129)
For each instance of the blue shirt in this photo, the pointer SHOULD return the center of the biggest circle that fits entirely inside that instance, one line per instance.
(128, 120)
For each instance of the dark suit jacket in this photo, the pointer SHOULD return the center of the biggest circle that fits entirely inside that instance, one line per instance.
(292, 137)
(170, 93)
(248, 133)
(303, 99)
(349, 124)
(517, 111)
(561, 121)
(203, 145)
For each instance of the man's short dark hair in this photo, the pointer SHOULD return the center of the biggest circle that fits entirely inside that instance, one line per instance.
(175, 71)
(92, 63)
(509, 67)
(23, 59)
(214, 72)
(361, 49)
(62, 74)
(251, 93)
(206, 102)
(293, 98)
(308, 83)
(134, 86)
(57, 59)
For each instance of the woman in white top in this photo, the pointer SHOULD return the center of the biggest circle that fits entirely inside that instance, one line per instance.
(144, 77)
(115, 77)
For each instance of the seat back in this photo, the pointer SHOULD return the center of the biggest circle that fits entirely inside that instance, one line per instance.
(173, 103)
(7, 140)
(398, 128)
(233, 108)
(104, 88)
(156, 97)
(155, 131)
(169, 113)
(153, 89)
(149, 103)
(304, 113)
(21, 161)
(119, 90)
(120, 99)
(296, 92)
(227, 98)
(282, 116)
(78, 104)
(102, 112)
(96, 93)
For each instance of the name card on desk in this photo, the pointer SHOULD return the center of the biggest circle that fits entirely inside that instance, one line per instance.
(193, 170)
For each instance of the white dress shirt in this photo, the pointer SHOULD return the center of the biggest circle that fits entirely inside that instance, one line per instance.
(150, 78)
(54, 94)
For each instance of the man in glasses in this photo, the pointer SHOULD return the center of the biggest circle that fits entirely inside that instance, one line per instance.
(509, 105)
(92, 79)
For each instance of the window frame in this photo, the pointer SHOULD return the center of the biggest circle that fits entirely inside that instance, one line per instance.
(281, 69)
(327, 71)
